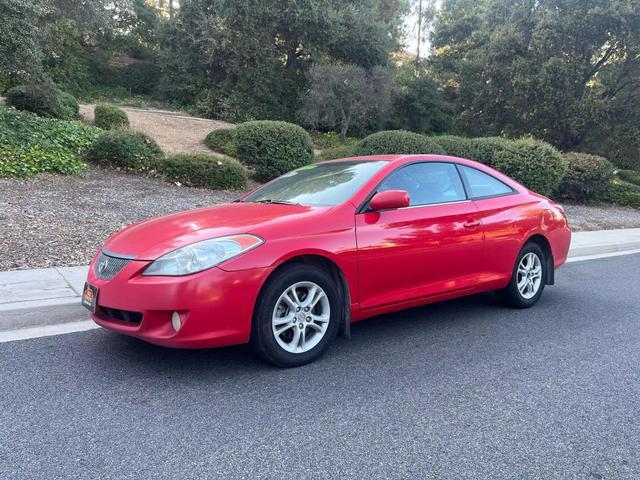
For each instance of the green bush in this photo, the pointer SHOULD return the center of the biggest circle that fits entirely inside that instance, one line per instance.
(327, 140)
(109, 117)
(222, 140)
(126, 149)
(30, 144)
(199, 170)
(535, 164)
(481, 149)
(273, 148)
(624, 194)
(398, 142)
(70, 106)
(141, 78)
(343, 151)
(630, 176)
(43, 99)
(587, 177)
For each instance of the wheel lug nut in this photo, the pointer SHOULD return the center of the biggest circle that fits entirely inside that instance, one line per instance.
(298, 309)
(300, 326)
(306, 309)
(308, 319)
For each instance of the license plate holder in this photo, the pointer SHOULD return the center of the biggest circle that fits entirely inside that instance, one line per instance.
(90, 297)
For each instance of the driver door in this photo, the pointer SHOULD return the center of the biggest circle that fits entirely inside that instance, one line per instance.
(432, 247)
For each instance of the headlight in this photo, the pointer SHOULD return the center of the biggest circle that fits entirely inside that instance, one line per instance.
(202, 255)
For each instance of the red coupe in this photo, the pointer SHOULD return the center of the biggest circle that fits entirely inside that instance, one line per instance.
(290, 265)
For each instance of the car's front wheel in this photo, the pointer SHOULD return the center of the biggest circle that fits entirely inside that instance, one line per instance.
(527, 280)
(296, 316)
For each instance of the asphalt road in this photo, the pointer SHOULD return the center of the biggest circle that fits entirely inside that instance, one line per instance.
(464, 389)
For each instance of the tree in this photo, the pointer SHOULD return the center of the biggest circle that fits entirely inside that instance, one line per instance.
(19, 43)
(552, 68)
(343, 97)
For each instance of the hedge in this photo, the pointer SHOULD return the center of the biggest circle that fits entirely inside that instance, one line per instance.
(109, 117)
(587, 177)
(198, 170)
(222, 140)
(273, 148)
(30, 144)
(43, 99)
(398, 142)
(631, 176)
(126, 149)
(535, 164)
(343, 151)
(626, 195)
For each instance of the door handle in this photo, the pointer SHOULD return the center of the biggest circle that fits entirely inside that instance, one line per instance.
(471, 224)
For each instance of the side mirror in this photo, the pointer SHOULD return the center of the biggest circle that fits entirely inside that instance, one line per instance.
(389, 200)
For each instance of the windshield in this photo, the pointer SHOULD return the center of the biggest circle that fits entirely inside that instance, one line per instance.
(324, 184)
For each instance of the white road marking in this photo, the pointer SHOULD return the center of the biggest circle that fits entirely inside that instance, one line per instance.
(602, 255)
(46, 331)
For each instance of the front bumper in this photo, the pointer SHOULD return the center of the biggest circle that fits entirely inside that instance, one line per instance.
(215, 306)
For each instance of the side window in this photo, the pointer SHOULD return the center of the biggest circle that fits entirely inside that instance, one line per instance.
(481, 184)
(427, 183)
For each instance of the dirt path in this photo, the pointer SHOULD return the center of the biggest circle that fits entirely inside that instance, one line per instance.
(174, 132)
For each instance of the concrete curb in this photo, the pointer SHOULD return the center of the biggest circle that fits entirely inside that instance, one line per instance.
(51, 296)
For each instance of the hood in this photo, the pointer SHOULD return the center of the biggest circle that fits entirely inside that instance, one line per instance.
(153, 238)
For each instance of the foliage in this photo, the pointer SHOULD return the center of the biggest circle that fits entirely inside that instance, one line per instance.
(417, 104)
(222, 55)
(587, 177)
(19, 46)
(70, 108)
(199, 170)
(535, 164)
(326, 140)
(629, 176)
(125, 149)
(346, 97)
(109, 117)
(398, 142)
(565, 71)
(43, 99)
(343, 151)
(624, 194)
(273, 148)
(222, 140)
(140, 78)
(30, 144)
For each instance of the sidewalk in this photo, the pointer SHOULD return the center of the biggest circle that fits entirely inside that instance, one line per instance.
(51, 296)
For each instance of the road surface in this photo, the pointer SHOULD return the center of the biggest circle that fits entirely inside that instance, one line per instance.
(464, 389)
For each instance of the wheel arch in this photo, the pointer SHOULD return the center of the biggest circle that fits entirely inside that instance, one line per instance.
(544, 244)
(336, 273)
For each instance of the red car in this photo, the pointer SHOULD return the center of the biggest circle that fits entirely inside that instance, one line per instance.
(290, 265)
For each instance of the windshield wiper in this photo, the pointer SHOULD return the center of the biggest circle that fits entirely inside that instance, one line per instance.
(278, 202)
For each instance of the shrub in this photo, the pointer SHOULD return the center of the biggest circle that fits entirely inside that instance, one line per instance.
(222, 140)
(42, 99)
(273, 148)
(344, 151)
(125, 148)
(199, 170)
(480, 149)
(624, 194)
(327, 140)
(141, 78)
(535, 164)
(70, 106)
(587, 177)
(630, 176)
(30, 144)
(109, 117)
(397, 142)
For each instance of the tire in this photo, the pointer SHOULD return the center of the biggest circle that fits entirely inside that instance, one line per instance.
(306, 336)
(515, 297)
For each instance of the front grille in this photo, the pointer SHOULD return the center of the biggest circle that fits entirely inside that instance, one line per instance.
(108, 266)
(120, 315)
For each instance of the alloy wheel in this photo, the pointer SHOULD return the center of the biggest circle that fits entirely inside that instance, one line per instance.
(529, 275)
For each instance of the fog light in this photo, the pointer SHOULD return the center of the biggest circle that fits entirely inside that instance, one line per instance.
(175, 321)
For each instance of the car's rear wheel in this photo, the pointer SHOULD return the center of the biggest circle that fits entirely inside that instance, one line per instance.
(296, 316)
(528, 278)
